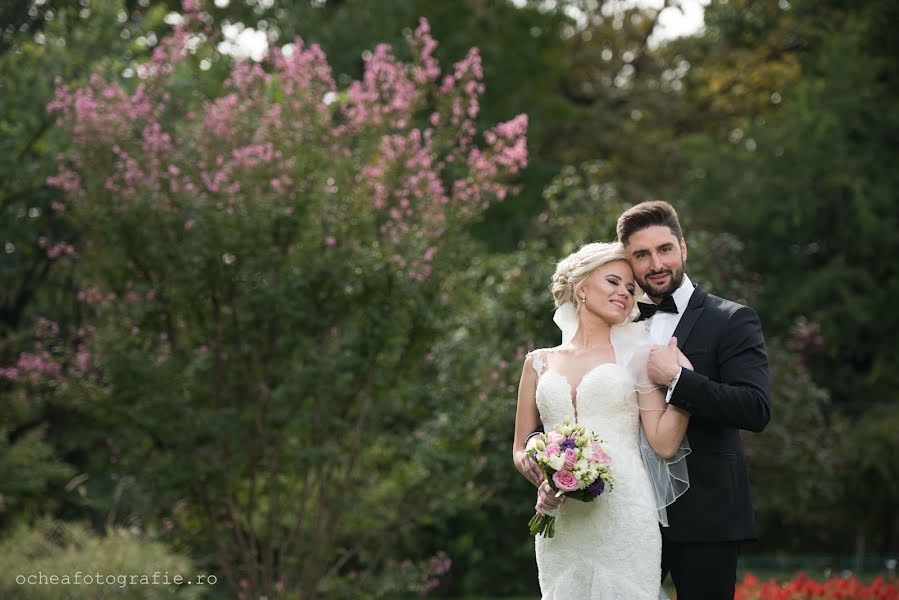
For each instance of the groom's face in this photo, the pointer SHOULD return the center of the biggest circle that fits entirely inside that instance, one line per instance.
(657, 258)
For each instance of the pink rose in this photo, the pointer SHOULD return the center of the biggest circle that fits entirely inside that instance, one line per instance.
(552, 449)
(565, 481)
(570, 457)
(554, 437)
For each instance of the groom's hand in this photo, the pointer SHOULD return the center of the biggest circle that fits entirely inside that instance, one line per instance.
(527, 466)
(663, 363)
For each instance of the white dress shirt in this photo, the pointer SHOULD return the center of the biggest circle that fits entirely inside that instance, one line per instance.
(662, 324)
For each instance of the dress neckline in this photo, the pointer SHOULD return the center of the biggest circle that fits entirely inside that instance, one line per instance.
(574, 390)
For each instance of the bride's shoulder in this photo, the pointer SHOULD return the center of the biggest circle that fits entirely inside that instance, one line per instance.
(543, 351)
(537, 357)
(538, 353)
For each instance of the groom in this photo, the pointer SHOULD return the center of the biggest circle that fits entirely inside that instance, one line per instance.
(728, 390)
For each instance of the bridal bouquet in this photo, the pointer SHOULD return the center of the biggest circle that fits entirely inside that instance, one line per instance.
(575, 464)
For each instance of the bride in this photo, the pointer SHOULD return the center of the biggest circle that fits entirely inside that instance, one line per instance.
(610, 548)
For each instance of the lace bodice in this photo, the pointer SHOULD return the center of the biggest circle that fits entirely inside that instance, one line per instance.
(606, 403)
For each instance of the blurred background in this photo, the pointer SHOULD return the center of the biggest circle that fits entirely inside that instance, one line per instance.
(270, 269)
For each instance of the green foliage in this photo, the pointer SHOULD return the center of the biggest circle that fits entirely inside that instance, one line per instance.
(869, 449)
(813, 184)
(45, 438)
(30, 471)
(811, 199)
(59, 549)
(797, 464)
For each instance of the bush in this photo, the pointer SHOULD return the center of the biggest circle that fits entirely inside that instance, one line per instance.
(63, 549)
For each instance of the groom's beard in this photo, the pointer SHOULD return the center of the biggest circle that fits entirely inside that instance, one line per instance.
(658, 292)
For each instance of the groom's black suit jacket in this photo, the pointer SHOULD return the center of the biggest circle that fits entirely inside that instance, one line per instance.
(728, 390)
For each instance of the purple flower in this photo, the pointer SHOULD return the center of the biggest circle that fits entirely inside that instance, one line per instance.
(597, 487)
(568, 443)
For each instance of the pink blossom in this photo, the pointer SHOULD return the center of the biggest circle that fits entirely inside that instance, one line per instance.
(553, 449)
(37, 366)
(45, 328)
(66, 180)
(409, 127)
(82, 360)
(60, 249)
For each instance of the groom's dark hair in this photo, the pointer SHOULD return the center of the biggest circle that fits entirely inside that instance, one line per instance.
(647, 214)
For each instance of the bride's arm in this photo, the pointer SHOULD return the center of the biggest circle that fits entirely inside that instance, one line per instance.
(527, 420)
(665, 425)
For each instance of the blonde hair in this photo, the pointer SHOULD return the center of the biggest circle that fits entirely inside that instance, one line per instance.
(573, 270)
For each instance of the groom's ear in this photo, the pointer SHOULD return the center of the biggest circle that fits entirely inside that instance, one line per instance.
(683, 247)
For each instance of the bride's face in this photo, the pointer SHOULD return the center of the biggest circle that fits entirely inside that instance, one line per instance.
(610, 292)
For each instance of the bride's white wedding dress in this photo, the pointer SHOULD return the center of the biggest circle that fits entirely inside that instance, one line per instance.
(608, 549)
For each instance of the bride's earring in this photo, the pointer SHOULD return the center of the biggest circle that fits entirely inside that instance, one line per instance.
(584, 299)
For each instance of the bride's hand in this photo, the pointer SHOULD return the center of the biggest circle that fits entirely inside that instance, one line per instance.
(527, 466)
(546, 499)
(684, 361)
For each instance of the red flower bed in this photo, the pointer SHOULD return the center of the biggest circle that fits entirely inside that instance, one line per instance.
(803, 587)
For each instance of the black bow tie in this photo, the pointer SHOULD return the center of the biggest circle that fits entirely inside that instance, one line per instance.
(648, 309)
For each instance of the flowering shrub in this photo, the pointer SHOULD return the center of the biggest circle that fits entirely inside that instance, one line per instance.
(265, 270)
(397, 147)
(803, 587)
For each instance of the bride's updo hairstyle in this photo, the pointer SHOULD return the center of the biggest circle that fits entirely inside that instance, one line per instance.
(573, 270)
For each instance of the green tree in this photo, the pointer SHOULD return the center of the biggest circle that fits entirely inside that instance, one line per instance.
(266, 272)
(45, 437)
(810, 195)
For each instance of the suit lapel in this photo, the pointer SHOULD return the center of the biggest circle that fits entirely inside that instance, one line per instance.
(690, 316)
